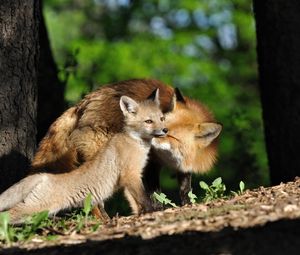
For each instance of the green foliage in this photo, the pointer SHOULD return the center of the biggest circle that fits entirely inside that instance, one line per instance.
(40, 225)
(207, 48)
(241, 191)
(192, 197)
(242, 186)
(217, 189)
(213, 191)
(84, 216)
(87, 205)
(32, 225)
(6, 232)
(162, 198)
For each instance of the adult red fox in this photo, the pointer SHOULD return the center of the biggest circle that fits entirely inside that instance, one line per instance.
(80, 132)
(119, 164)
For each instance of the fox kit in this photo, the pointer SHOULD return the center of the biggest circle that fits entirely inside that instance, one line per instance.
(118, 164)
(77, 135)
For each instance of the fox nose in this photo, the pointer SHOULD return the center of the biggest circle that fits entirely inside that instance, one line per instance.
(165, 130)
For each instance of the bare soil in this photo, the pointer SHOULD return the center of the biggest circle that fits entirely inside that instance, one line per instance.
(261, 221)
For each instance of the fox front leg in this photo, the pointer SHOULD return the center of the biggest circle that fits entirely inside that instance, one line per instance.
(184, 181)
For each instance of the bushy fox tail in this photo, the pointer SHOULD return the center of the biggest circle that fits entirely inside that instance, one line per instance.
(19, 191)
(55, 153)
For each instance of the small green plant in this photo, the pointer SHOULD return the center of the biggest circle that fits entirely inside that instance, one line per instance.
(192, 197)
(242, 186)
(162, 198)
(213, 191)
(82, 220)
(87, 206)
(40, 224)
(6, 232)
(32, 225)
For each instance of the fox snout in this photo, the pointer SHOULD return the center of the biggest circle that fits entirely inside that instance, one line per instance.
(160, 132)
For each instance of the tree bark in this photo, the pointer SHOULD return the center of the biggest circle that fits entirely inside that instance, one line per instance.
(278, 49)
(18, 92)
(51, 102)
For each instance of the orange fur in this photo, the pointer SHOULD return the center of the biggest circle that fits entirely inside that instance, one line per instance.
(83, 130)
(77, 135)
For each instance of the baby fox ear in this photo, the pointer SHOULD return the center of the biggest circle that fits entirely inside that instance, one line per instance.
(128, 105)
(155, 96)
(207, 132)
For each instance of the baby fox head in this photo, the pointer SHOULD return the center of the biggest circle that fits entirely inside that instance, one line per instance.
(144, 119)
(191, 144)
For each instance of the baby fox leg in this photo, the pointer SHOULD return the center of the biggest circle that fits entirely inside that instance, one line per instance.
(136, 195)
(184, 181)
(99, 212)
(133, 204)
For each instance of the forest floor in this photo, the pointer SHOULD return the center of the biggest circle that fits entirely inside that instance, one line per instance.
(261, 221)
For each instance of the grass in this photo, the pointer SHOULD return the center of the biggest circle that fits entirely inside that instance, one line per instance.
(41, 226)
(81, 221)
(217, 189)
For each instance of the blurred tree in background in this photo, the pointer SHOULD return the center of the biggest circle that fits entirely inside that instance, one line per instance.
(206, 48)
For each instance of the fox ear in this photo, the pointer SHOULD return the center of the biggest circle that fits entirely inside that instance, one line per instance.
(128, 105)
(207, 132)
(179, 96)
(172, 104)
(155, 96)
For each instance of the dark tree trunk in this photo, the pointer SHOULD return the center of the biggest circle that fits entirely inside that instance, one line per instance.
(18, 93)
(51, 101)
(278, 49)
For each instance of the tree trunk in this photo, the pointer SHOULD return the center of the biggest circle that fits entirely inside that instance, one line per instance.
(18, 93)
(278, 49)
(51, 102)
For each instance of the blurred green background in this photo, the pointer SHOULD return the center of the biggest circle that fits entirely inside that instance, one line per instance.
(206, 48)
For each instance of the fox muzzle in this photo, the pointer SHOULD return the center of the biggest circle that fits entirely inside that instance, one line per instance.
(160, 133)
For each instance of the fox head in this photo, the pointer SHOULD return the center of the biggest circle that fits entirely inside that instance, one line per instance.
(144, 119)
(191, 143)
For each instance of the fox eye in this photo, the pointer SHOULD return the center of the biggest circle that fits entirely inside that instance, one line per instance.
(148, 121)
(162, 118)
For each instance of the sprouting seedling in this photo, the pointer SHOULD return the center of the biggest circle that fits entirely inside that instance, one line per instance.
(242, 186)
(87, 205)
(214, 191)
(5, 231)
(192, 197)
(162, 198)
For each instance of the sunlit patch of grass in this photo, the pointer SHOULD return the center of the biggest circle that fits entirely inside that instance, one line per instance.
(39, 225)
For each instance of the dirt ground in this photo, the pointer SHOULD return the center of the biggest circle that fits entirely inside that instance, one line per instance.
(262, 221)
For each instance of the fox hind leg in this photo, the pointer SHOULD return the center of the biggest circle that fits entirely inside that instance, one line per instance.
(19, 213)
(99, 212)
